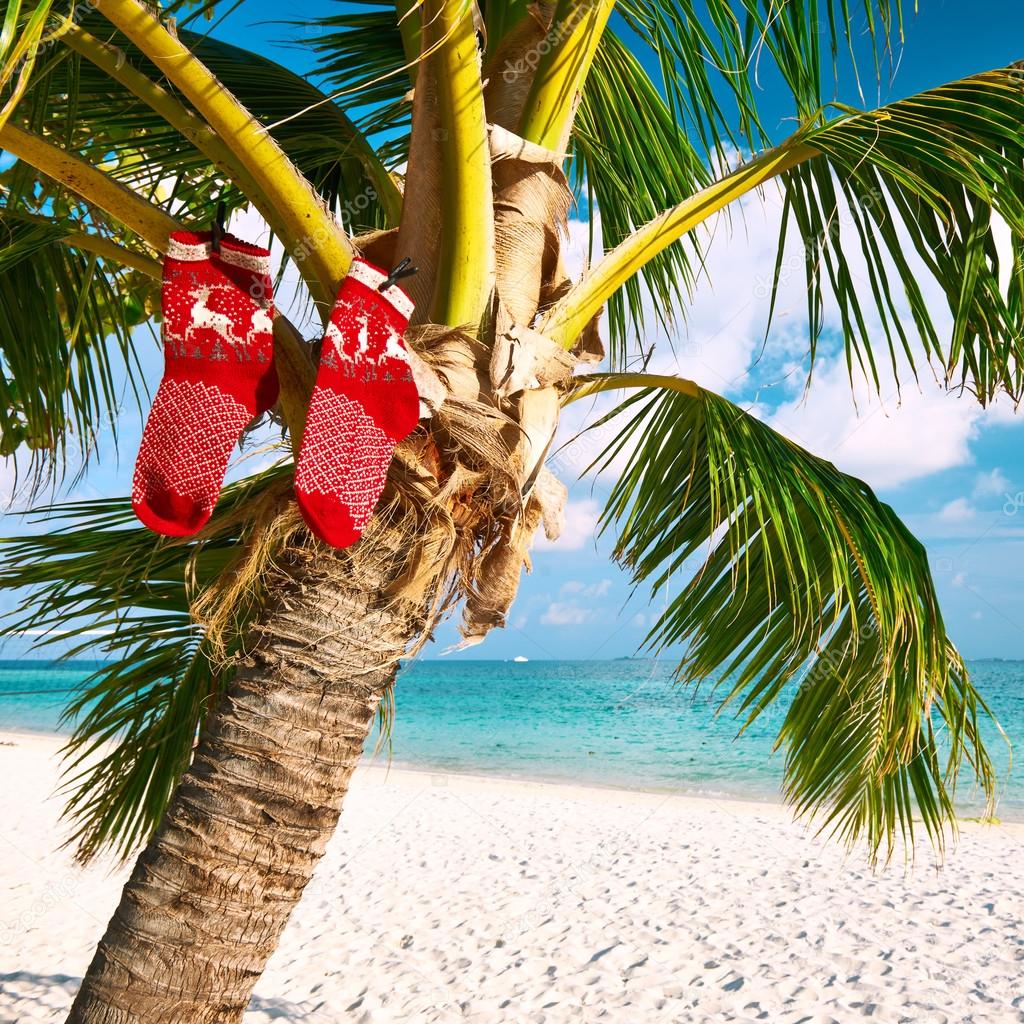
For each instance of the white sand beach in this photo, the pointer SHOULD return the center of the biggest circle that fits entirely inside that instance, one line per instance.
(449, 898)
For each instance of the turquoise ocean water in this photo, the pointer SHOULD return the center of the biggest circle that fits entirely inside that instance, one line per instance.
(615, 723)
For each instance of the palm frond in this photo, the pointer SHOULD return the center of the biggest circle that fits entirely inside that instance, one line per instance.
(67, 364)
(361, 55)
(136, 718)
(644, 143)
(315, 132)
(102, 120)
(60, 355)
(716, 55)
(631, 160)
(20, 37)
(910, 192)
(802, 585)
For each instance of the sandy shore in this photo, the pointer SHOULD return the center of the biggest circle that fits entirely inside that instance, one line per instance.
(449, 898)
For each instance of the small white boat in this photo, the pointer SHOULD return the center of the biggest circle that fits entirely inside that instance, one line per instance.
(519, 657)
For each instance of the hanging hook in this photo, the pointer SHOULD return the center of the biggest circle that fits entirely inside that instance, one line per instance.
(217, 228)
(403, 269)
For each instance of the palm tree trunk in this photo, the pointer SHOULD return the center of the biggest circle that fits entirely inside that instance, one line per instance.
(209, 897)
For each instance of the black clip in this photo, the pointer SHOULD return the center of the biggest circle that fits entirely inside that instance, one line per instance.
(403, 269)
(217, 228)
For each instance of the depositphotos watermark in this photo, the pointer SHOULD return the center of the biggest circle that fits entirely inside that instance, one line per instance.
(1013, 504)
(357, 204)
(56, 893)
(73, 17)
(811, 250)
(559, 30)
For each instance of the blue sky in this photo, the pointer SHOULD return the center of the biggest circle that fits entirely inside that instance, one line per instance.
(954, 473)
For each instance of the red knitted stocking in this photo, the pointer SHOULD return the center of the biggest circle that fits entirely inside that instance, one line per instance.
(218, 374)
(364, 403)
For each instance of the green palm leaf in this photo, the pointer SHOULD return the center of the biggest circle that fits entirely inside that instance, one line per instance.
(638, 146)
(911, 191)
(20, 37)
(631, 159)
(315, 132)
(64, 355)
(802, 585)
(361, 55)
(716, 55)
(105, 122)
(136, 718)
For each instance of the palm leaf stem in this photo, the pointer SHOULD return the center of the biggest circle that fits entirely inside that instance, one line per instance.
(567, 318)
(110, 250)
(78, 175)
(110, 60)
(411, 29)
(464, 279)
(595, 383)
(576, 32)
(306, 221)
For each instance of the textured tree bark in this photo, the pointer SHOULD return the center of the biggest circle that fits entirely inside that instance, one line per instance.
(209, 897)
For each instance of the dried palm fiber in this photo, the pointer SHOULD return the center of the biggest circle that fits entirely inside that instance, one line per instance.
(523, 358)
(271, 520)
(497, 576)
(457, 516)
(378, 247)
(538, 419)
(588, 348)
(403, 543)
(431, 534)
(551, 494)
(531, 220)
(468, 477)
(429, 386)
(468, 428)
(455, 356)
(508, 75)
(492, 578)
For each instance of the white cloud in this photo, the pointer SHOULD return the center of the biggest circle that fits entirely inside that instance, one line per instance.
(565, 613)
(589, 590)
(716, 343)
(994, 484)
(959, 510)
(886, 442)
(577, 248)
(719, 337)
(579, 530)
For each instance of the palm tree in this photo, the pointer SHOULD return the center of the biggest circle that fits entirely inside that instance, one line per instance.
(126, 122)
